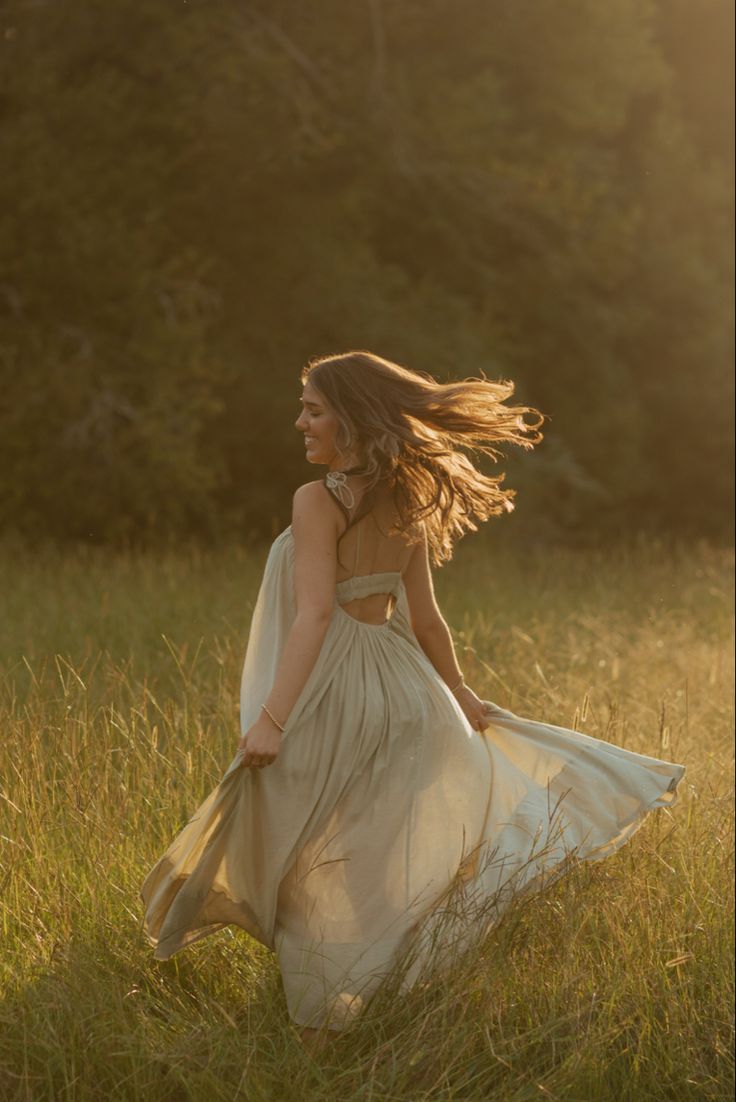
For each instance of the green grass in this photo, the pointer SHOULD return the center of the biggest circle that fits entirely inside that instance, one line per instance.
(118, 713)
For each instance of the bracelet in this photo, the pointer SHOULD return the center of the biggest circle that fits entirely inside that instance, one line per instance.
(271, 717)
(460, 682)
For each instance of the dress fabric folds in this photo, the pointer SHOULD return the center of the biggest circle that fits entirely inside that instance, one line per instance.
(339, 855)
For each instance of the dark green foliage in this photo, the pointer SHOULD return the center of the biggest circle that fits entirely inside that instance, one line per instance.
(197, 197)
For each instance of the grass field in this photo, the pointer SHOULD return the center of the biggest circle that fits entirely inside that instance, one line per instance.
(118, 713)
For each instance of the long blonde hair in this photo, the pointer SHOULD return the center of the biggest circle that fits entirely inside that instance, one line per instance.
(408, 428)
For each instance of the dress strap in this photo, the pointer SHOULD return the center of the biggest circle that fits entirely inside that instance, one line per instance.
(337, 482)
(357, 550)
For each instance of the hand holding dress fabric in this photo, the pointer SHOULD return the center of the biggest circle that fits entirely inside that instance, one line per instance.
(476, 710)
(260, 744)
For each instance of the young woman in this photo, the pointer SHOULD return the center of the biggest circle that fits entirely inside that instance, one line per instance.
(370, 781)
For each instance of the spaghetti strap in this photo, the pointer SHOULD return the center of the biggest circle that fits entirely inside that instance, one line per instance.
(357, 551)
(336, 482)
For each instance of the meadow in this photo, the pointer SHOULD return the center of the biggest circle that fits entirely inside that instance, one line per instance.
(119, 712)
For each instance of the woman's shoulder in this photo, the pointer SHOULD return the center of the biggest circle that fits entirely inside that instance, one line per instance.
(311, 494)
(315, 500)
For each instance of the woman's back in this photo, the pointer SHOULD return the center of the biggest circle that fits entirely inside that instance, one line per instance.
(366, 548)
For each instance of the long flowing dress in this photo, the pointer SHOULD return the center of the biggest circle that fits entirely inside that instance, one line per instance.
(382, 804)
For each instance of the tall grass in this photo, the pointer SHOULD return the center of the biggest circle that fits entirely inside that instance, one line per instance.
(118, 706)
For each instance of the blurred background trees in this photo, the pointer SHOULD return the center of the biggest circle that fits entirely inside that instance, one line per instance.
(198, 196)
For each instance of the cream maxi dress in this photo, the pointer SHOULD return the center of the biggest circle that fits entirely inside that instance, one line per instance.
(382, 805)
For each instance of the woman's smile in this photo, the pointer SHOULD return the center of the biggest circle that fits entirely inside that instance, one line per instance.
(318, 447)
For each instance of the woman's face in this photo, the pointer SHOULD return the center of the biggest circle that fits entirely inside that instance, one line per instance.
(319, 425)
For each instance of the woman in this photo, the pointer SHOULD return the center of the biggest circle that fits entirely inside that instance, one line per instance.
(371, 783)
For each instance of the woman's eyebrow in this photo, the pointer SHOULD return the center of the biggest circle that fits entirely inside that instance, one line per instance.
(306, 402)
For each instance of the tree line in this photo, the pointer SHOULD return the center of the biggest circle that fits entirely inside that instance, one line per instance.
(197, 197)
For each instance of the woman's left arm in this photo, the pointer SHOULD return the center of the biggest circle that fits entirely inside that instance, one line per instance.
(315, 530)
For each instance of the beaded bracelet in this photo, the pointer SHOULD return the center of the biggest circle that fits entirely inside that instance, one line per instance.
(271, 717)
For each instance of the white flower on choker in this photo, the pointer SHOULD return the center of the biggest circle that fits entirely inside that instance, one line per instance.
(337, 481)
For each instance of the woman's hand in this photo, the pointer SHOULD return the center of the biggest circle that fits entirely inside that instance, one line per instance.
(477, 712)
(260, 743)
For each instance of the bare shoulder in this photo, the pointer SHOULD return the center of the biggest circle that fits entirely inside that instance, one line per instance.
(416, 533)
(313, 502)
(415, 536)
(311, 492)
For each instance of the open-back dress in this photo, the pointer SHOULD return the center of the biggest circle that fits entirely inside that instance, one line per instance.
(383, 802)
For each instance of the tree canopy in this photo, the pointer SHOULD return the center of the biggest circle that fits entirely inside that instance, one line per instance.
(197, 197)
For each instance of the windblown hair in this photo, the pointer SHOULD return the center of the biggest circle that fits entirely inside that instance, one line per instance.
(408, 428)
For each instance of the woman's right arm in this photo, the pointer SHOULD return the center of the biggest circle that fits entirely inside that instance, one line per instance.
(433, 634)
